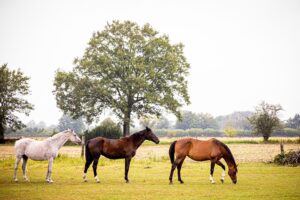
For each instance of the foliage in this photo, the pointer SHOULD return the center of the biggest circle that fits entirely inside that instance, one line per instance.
(294, 122)
(163, 122)
(198, 132)
(13, 86)
(194, 132)
(66, 122)
(149, 121)
(196, 120)
(127, 69)
(237, 120)
(291, 158)
(230, 131)
(108, 129)
(35, 129)
(265, 119)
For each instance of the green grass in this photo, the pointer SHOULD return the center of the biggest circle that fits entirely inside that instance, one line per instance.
(148, 180)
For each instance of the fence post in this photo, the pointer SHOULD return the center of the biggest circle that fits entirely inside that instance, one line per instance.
(82, 146)
(281, 148)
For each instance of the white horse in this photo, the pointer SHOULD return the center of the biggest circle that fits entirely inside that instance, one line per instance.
(42, 150)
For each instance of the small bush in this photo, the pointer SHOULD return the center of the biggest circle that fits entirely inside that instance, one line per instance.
(291, 158)
(107, 129)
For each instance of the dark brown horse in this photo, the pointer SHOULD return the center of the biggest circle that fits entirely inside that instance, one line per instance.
(199, 150)
(115, 149)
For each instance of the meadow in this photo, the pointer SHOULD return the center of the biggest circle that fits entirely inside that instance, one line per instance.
(148, 175)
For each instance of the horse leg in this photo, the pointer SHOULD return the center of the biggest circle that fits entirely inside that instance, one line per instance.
(18, 159)
(25, 159)
(127, 165)
(95, 163)
(49, 173)
(223, 172)
(178, 171)
(88, 162)
(174, 165)
(212, 167)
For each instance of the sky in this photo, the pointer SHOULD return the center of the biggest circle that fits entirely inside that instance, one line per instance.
(240, 52)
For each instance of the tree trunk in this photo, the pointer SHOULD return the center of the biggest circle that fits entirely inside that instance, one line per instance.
(266, 137)
(126, 125)
(2, 141)
(126, 129)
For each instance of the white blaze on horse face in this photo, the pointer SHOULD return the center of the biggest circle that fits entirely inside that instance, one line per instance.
(211, 179)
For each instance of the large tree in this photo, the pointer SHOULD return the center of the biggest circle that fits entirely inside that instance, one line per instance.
(265, 119)
(127, 69)
(13, 86)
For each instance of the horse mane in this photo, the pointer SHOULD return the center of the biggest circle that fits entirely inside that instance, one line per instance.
(139, 133)
(58, 135)
(230, 156)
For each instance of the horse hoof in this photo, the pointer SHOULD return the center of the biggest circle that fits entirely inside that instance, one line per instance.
(50, 181)
(127, 181)
(16, 180)
(181, 182)
(85, 180)
(171, 183)
(222, 181)
(212, 182)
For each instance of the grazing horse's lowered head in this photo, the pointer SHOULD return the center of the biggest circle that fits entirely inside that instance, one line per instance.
(149, 135)
(232, 171)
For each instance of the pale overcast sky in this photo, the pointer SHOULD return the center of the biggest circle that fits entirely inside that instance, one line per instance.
(241, 52)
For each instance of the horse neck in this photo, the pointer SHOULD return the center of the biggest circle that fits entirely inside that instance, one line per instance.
(137, 139)
(229, 159)
(59, 141)
(229, 162)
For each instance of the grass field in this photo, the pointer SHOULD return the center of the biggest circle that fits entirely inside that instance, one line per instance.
(149, 178)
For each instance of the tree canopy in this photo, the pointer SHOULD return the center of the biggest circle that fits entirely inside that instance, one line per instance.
(196, 120)
(127, 69)
(13, 86)
(265, 119)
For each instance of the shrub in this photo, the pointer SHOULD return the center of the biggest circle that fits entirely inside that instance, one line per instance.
(107, 129)
(230, 131)
(291, 158)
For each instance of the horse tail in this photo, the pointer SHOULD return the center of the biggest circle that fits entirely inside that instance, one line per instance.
(88, 154)
(172, 151)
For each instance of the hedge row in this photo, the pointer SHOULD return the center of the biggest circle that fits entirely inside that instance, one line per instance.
(198, 132)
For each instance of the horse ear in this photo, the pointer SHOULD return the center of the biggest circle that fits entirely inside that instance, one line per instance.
(147, 128)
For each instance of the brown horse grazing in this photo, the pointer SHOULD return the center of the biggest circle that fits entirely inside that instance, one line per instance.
(115, 149)
(199, 150)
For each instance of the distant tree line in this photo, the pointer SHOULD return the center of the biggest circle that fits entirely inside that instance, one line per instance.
(41, 129)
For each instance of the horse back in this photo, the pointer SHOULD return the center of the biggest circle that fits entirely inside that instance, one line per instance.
(110, 148)
(198, 150)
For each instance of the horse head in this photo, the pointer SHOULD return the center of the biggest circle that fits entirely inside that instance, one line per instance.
(232, 171)
(149, 135)
(74, 137)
